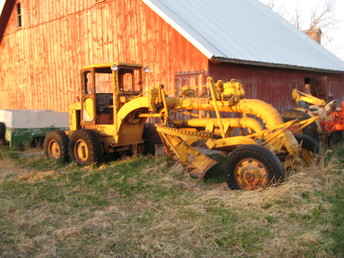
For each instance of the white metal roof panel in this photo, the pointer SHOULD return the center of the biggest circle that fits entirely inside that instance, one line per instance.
(244, 30)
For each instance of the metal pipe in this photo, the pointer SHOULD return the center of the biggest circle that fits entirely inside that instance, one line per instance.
(262, 110)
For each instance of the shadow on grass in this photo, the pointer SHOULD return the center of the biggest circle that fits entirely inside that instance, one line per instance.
(218, 173)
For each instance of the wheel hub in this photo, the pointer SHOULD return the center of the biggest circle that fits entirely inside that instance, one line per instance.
(81, 150)
(251, 174)
(54, 149)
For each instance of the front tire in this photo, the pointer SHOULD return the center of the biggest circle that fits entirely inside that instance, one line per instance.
(251, 167)
(55, 146)
(85, 147)
(309, 148)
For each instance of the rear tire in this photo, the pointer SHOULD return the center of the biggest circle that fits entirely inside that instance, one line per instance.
(308, 143)
(251, 167)
(311, 130)
(55, 146)
(85, 147)
(2, 133)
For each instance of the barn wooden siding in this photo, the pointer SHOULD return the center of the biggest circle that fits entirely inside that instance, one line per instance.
(40, 62)
(274, 85)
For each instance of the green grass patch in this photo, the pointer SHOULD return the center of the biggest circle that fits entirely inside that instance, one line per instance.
(147, 207)
(337, 210)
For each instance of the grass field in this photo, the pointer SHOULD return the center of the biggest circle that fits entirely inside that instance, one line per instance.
(149, 207)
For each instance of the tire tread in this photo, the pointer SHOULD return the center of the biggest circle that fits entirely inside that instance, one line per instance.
(95, 147)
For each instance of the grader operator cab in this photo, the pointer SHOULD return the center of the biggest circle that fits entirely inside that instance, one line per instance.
(103, 121)
(101, 97)
(111, 113)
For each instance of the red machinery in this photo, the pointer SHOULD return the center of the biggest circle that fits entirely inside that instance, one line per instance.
(335, 120)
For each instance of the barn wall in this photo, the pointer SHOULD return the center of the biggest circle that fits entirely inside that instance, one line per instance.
(40, 62)
(275, 85)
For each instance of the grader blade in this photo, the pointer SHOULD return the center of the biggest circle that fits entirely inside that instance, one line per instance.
(197, 163)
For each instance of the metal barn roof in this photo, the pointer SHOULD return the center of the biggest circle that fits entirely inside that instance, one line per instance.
(244, 31)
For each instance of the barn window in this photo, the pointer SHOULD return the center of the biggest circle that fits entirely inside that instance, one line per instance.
(308, 87)
(19, 15)
(308, 80)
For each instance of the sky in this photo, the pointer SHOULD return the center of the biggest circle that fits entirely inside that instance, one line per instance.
(337, 46)
(334, 37)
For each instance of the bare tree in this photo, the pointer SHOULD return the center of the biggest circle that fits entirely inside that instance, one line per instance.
(322, 17)
(297, 19)
(292, 16)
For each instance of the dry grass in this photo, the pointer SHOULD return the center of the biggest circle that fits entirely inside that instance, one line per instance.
(149, 207)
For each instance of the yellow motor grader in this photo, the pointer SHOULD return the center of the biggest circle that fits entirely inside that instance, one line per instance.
(113, 110)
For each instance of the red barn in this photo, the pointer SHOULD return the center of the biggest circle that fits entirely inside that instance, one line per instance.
(44, 43)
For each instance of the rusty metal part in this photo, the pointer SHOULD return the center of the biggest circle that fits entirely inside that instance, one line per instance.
(251, 173)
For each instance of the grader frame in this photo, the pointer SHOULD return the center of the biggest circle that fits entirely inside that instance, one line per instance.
(111, 122)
